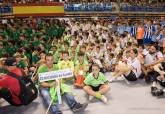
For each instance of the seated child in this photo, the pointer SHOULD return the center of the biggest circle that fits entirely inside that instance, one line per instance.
(80, 71)
(96, 84)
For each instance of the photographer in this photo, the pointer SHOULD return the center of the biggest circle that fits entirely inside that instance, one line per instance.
(9, 87)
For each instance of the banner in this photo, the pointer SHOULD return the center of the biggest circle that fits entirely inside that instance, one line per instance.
(40, 9)
(53, 75)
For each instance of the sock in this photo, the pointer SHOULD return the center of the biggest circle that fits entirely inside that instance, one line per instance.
(164, 90)
(98, 95)
(154, 84)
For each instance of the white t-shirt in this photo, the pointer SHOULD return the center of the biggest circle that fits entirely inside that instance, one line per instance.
(98, 54)
(112, 61)
(81, 42)
(151, 58)
(135, 63)
(145, 52)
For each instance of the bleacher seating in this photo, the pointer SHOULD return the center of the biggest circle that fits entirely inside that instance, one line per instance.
(142, 8)
(88, 7)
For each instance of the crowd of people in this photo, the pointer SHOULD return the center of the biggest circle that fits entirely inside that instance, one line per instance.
(131, 50)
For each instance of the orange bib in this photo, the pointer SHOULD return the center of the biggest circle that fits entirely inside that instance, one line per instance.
(140, 33)
(164, 45)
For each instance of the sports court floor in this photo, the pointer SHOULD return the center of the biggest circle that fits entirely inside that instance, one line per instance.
(134, 98)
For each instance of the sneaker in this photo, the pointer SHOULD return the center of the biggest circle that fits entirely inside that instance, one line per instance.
(153, 88)
(104, 99)
(142, 75)
(159, 92)
(56, 112)
(59, 112)
(80, 107)
(89, 97)
(113, 79)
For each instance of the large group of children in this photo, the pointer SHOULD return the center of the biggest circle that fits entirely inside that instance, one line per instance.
(89, 47)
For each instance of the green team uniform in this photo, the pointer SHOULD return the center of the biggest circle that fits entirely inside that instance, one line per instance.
(21, 64)
(36, 43)
(76, 59)
(91, 81)
(66, 64)
(35, 59)
(67, 39)
(10, 49)
(2, 51)
(56, 57)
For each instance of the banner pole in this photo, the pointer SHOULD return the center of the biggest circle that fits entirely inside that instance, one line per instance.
(58, 91)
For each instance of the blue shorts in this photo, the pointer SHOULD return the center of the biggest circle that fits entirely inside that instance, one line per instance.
(147, 41)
